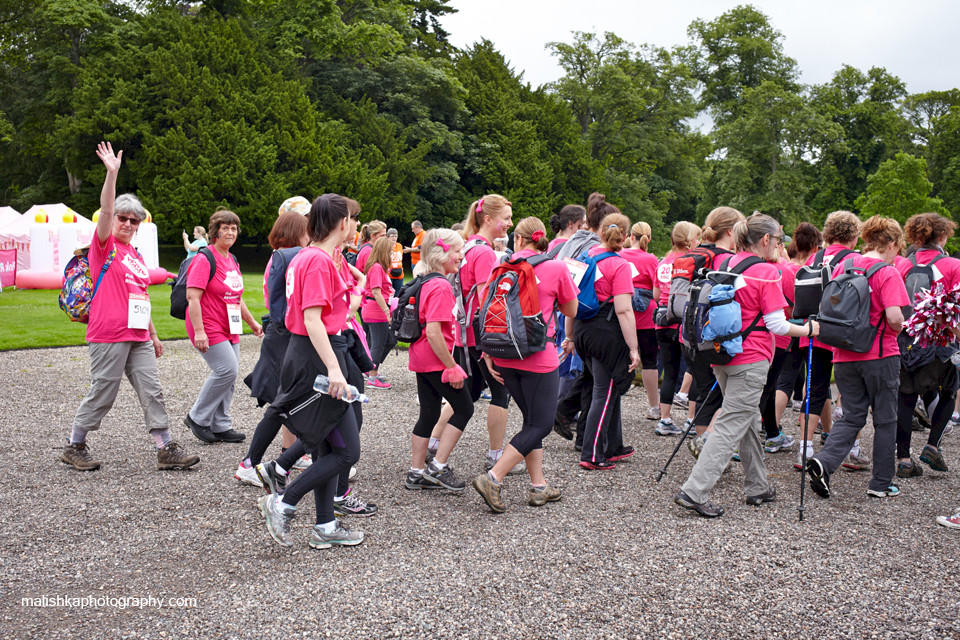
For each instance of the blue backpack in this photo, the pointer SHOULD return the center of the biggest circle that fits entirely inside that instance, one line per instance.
(589, 305)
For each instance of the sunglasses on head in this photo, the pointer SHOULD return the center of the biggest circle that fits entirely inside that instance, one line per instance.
(133, 221)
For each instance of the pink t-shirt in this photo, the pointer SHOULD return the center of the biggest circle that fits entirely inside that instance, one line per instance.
(225, 288)
(646, 264)
(266, 276)
(370, 311)
(476, 267)
(555, 286)
(556, 242)
(615, 277)
(664, 275)
(436, 305)
(886, 290)
(902, 265)
(949, 268)
(362, 256)
(313, 281)
(126, 276)
(761, 295)
(788, 275)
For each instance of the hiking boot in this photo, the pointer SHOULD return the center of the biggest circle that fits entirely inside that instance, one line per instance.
(230, 435)
(341, 537)
(351, 505)
(706, 509)
(203, 434)
(665, 427)
(932, 457)
(653, 413)
(908, 469)
(890, 492)
(781, 443)
(819, 478)
(490, 492)
(540, 497)
(623, 454)
(248, 475)
(767, 496)
(561, 426)
(78, 455)
(172, 456)
(445, 477)
(272, 481)
(416, 481)
(696, 446)
(856, 463)
(603, 465)
(278, 518)
(953, 522)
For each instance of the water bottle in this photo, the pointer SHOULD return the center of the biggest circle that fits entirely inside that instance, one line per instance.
(955, 359)
(322, 385)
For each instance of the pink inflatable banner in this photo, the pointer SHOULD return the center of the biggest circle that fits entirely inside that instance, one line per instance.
(8, 267)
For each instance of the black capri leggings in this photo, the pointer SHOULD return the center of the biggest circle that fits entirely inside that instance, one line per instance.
(536, 395)
(670, 356)
(709, 399)
(378, 333)
(499, 395)
(429, 390)
(647, 345)
(820, 374)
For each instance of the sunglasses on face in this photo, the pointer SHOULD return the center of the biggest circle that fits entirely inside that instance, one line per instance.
(355, 216)
(134, 222)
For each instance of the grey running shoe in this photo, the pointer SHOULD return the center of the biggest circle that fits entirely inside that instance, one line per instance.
(341, 537)
(891, 492)
(781, 443)
(519, 469)
(446, 478)
(351, 505)
(278, 518)
(78, 456)
(856, 463)
(540, 497)
(681, 401)
(172, 456)
(273, 482)
(706, 509)
(416, 481)
(665, 427)
(767, 496)
(490, 492)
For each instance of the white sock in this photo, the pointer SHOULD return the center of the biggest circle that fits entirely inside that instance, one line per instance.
(809, 445)
(418, 472)
(284, 505)
(280, 469)
(681, 395)
(328, 527)
(495, 454)
(855, 449)
(433, 444)
(440, 465)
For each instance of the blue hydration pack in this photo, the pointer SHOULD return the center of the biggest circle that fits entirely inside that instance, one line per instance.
(589, 305)
(725, 319)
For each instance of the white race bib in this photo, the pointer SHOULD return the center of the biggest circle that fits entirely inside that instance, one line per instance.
(138, 311)
(233, 317)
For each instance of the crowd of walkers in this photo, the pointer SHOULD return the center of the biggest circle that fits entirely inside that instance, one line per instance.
(728, 326)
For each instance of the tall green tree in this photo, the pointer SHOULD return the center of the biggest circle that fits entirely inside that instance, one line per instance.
(899, 189)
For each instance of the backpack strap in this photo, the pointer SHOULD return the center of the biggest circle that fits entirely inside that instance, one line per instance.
(818, 258)
(103, 270)
(212, 260)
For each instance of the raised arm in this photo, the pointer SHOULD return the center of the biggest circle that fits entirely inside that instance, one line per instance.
(108, 193)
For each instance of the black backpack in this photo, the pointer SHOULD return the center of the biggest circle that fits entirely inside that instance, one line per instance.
(277, 286)
(810, 282)
(405, 322)
(352, 257)
(178, 292)
(845, 310)
(918, 278)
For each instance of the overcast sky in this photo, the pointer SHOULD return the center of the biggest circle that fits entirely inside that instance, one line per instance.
(916, 41)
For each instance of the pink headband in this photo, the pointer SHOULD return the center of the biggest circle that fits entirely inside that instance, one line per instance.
(537, 235)
(443, 245)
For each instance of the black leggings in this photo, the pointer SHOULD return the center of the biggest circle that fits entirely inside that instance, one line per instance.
(267, 429)
(377, 333)
(768, 399)
(499, 395)
(709, 399)
(334, 456)
(793, 363)
(820, 374)
(536, 395)
(647, 345)
(670, 357)
(429, 390)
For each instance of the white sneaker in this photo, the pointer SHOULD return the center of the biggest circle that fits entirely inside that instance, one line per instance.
(653, 413)
(304, 462)
(248, 475)
(353, 472)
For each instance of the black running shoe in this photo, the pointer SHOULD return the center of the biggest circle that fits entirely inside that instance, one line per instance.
(819, 478)
(274, 482)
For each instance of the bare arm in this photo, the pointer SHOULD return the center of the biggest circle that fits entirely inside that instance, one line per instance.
(378, 298)
(250, 320)
(195, 315)
(313, 322)
(109, 190)
(623, 305)
(894, 316)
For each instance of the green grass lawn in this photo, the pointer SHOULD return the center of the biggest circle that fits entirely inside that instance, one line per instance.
(32, 318)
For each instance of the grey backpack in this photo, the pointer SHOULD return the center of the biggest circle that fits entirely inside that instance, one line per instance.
(845, 310)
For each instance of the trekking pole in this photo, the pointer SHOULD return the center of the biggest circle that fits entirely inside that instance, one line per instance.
(806, 425)
(686, 434)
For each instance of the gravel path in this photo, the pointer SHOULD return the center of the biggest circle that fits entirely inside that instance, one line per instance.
(614, 559)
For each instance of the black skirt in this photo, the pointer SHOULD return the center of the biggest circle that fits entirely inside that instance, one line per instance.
(310, 415)
(264, 380)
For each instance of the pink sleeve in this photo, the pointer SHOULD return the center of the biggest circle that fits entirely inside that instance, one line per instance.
(437, 304)
(621, 283)
(198, 275)
(893, 293)
(317, 286)
(483, 265)
(771, 297)
(376, 277)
